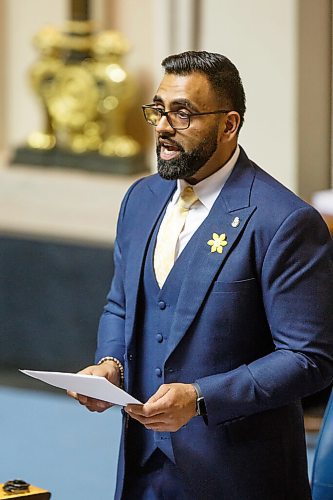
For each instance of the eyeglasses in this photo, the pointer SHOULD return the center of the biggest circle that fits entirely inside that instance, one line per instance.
(178, 120)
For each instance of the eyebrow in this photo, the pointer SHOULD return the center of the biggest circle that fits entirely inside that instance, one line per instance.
(180, 101)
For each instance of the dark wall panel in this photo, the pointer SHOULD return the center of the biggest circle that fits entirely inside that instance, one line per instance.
(51, 297)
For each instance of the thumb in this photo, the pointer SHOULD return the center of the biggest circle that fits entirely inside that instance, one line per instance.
(161, 391)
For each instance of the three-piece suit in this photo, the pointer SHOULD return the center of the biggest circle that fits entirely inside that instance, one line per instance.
(252, 325)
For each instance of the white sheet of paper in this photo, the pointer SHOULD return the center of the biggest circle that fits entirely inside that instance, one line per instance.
(87, 385)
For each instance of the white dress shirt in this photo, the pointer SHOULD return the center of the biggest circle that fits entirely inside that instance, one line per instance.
(207, 191)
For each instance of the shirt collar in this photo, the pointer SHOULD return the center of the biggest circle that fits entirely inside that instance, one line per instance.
(208, 189)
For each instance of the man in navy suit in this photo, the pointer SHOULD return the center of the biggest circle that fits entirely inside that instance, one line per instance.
(222, 349)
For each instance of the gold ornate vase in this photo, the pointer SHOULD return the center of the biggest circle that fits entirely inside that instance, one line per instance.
(86, 94)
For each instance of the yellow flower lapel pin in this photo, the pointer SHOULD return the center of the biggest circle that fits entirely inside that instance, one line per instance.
(218, 242)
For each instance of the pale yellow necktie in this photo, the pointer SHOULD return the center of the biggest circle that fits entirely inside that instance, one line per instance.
(164, 256)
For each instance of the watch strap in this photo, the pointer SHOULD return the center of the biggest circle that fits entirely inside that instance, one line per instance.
(200, 403)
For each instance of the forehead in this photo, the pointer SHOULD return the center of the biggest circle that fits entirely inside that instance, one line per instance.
(194, 87)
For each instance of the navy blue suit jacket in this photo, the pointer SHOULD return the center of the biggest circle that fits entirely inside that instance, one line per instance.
(253, 326)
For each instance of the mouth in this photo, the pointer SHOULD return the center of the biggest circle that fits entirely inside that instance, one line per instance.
(168, 150)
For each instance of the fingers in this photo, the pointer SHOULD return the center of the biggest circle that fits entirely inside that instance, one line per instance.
(93, 404)
(158, 423)
(90, 403)
(98, 406)
(143, 413)
(161, 391)
(72, 394)
(155, 405)
(88, 371)
(150, 415)
(141, 410)
(171, 407)
(107, 370)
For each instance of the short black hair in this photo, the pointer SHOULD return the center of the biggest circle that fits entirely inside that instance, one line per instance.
(219, 70)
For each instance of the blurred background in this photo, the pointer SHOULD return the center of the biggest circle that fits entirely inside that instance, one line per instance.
(73, 139)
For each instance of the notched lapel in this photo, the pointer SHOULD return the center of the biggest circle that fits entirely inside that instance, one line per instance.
(150, 204)
(229, 215)
(205, 265)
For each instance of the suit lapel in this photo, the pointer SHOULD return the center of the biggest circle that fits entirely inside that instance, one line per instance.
(155, 197)
(229, 215)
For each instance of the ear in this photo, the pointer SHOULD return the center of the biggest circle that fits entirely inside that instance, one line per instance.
(231, 125)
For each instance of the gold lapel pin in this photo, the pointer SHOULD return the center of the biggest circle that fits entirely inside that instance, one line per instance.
(235, 222)
(218, 242)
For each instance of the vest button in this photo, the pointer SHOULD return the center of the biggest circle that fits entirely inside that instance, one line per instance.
(158, 372)
(159, 337)
(162, 304)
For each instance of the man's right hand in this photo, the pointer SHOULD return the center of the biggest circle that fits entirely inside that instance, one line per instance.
(110, 371)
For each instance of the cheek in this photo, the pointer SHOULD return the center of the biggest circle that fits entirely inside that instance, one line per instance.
(191, 140)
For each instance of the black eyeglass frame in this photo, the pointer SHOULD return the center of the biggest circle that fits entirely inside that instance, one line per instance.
(189, 115)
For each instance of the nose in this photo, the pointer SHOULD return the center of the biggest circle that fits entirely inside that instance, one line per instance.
(164, 126)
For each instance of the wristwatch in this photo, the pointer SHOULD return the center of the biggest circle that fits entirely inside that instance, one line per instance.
(200, 403)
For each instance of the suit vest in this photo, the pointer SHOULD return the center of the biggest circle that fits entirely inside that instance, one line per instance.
(157, 307)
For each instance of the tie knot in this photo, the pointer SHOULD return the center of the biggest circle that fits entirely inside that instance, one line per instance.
(188, 197)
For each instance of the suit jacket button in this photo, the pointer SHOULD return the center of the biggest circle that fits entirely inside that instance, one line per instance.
(158, 372)
(159, 337)
(162, 304)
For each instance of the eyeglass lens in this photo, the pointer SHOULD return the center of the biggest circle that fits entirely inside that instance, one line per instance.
(175, 119)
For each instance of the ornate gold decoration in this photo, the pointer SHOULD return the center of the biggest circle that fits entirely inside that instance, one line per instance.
(84, 89)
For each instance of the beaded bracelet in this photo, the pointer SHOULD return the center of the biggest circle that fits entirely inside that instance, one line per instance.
(119, 366)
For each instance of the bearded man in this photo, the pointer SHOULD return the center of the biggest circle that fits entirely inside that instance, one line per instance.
(219, 318)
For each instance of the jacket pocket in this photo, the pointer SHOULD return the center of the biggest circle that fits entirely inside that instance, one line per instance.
(265, 426)
(234, 286)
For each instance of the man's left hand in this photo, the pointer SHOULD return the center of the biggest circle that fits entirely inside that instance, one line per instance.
(171, 407)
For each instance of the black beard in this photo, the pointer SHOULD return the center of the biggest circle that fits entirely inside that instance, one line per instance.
(187, 163)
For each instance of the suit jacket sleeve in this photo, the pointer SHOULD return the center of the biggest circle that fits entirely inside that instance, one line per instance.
(297, 290)
(111, 331)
